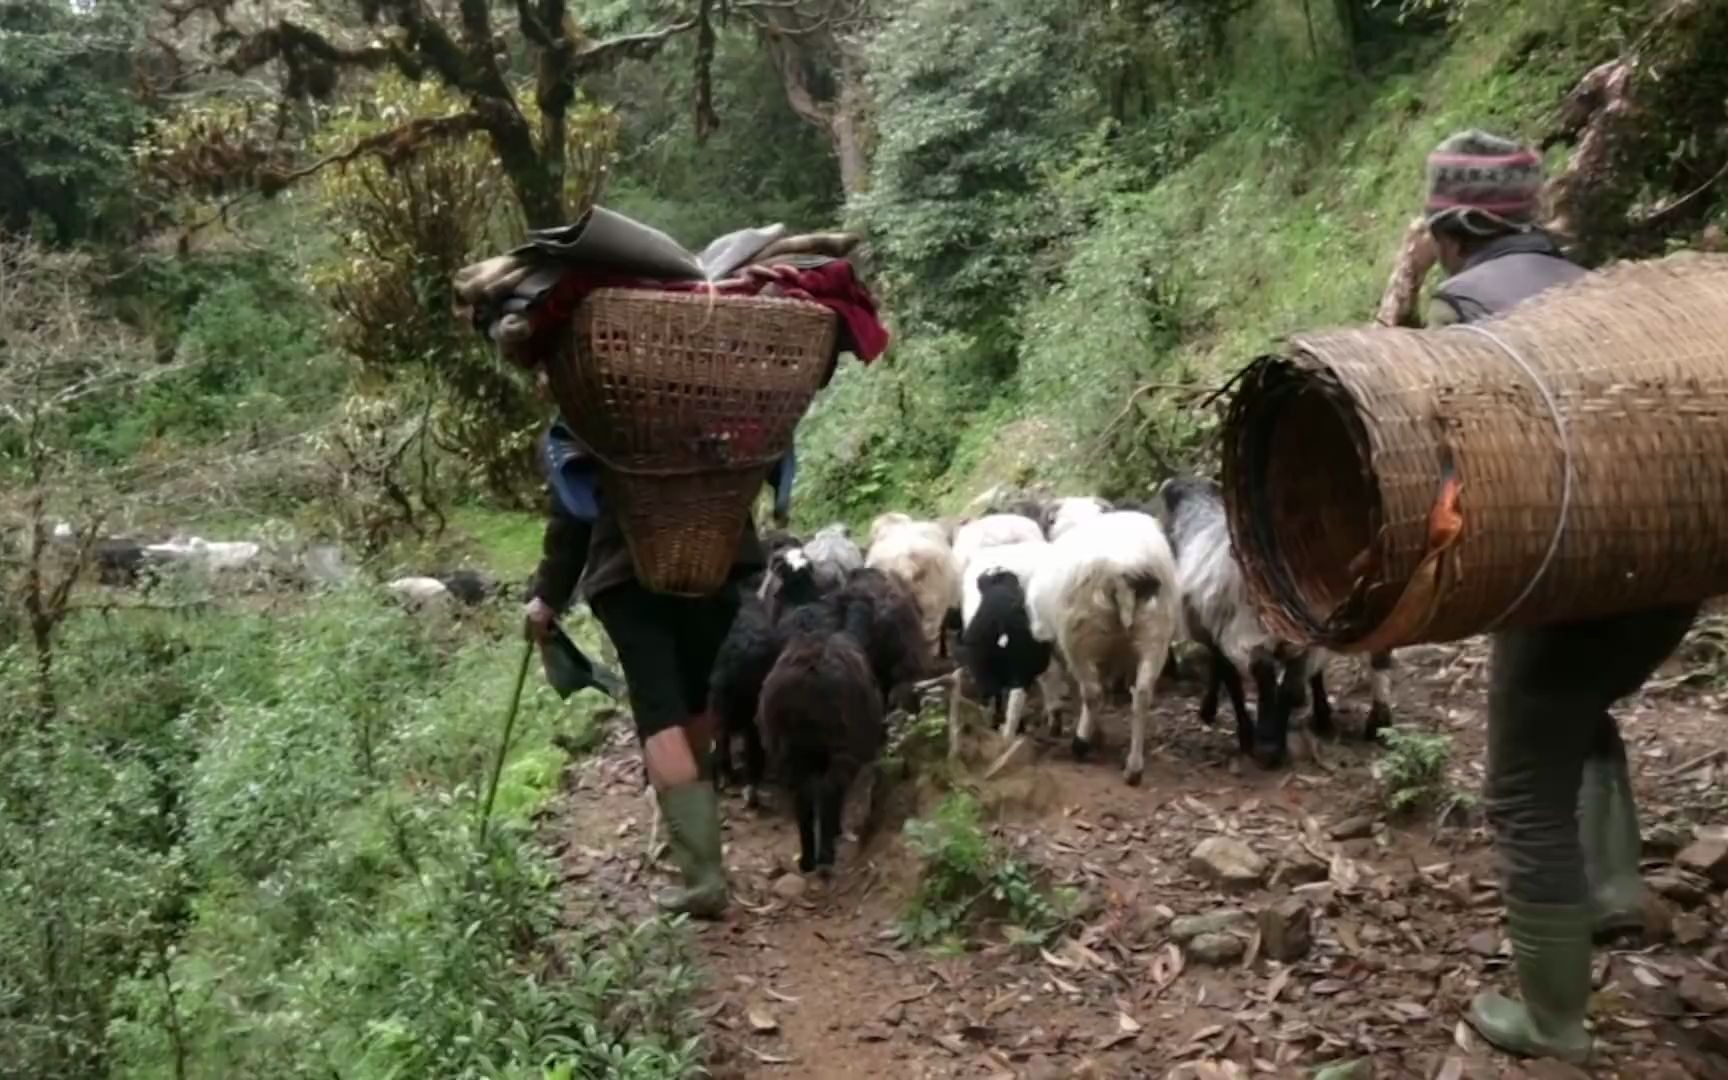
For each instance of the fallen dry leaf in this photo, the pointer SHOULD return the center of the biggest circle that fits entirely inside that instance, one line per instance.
(762, 1022)
(1057, 961)
(769, 1059)
(1127, 1024)
(1166, 965)
(1277, 985)
(1452, 1070)
(778, 996)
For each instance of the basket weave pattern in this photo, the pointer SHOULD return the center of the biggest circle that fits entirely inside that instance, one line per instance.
(687, 400)
(1335, 451)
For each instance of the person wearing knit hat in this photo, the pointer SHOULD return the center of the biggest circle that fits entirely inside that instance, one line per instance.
(1559, 793)
(1483, 200)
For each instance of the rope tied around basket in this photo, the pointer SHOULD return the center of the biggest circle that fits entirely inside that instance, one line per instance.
(1564, 437)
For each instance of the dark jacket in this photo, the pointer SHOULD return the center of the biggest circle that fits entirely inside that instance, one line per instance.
(1503, 274)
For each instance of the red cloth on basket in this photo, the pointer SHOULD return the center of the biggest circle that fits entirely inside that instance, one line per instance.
(833, 285)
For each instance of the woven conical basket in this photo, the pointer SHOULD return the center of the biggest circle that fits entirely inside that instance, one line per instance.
(1566, 461)
(687, 400)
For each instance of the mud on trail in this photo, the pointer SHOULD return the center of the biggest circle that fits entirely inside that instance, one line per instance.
(804, 977)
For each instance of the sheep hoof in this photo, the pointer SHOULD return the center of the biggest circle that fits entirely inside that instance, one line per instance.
(805, 865)
(1132, 777)
(751, 798)
(1082, 748)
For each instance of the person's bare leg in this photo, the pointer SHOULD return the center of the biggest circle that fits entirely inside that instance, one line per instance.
(669, 759)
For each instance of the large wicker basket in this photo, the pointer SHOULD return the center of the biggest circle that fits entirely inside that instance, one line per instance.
(1567, 461)
(687, 400)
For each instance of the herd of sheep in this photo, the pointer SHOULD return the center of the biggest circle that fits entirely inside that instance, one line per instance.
(1028, 594)
(1050, 595)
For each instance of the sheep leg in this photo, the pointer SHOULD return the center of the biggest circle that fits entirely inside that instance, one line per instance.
(1214, 681)
(804, 796)
(1016, 710)
(833, 801)
(1270, 736)
(1145, 679)
(1380, 683)
(954, 721)
(1320, 719)
(755, 764)
(1053, 685)
(1232, 676)
(1091, 697)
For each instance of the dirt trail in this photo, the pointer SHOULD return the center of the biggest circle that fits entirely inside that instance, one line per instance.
(1405, 921)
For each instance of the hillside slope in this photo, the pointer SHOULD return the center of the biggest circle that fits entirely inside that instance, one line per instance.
(1293, 179)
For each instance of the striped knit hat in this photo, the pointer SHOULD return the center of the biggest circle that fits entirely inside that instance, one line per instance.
(1488, 184)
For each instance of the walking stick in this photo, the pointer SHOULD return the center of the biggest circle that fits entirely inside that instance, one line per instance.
(504, 745)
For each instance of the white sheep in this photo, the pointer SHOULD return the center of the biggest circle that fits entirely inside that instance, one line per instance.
(207, 554)
(895, 521)
(421, 593)
(993, 530)
(1064, 514)
(1108, 598)
(918, 555)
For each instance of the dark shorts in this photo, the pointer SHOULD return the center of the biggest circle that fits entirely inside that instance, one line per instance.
(666, 646)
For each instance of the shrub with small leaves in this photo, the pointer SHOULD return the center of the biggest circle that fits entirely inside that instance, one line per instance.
(1412, 773)
(968, 879)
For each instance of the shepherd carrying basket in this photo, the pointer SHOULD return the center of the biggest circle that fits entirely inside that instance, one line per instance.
(679, 380)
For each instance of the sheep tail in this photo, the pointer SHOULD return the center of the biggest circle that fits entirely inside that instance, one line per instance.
(1133, 590)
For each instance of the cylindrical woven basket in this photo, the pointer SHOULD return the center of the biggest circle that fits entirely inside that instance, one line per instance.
(1566, 461)
(687, 400)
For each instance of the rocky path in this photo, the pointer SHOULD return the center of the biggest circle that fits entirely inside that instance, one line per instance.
(1230, 923)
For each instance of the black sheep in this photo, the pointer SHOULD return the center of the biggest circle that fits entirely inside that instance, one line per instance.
(747, 655)
(822, 722)
(740, 667)
(997, 648)
(893, 632)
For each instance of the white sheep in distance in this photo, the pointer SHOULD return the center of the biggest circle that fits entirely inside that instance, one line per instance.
(917, 553)
(1108, 598)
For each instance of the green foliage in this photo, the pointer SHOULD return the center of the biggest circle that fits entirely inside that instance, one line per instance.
(404, 229)
(246, 345)
(764, 164)
(1412, 772)
(247, 843)
(974, 98)
(966, 878)
(67, 118)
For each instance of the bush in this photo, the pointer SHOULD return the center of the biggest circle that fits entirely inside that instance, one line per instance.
(246, 845)
(965, 879)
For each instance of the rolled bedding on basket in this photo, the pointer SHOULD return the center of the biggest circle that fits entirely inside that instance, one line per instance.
(1566, 461)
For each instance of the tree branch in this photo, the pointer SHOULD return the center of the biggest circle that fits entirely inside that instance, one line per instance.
(397, 144)
(293, 43)
(604, 55)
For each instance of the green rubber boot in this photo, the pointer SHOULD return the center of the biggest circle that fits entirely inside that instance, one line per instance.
(1608, 832)
(692, 815)
(1551, 951)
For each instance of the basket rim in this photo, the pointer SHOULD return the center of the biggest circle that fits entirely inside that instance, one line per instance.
(704, 297)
